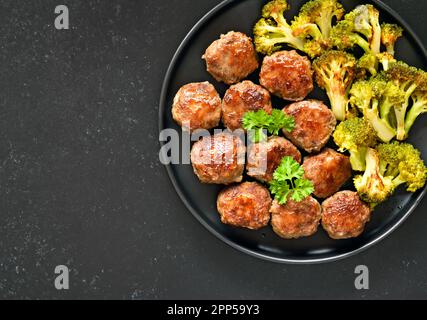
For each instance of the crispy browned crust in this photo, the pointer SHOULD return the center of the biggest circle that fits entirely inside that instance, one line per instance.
(314, 124)
(241, 98)
(197, 104)
(246, 205)
(296, 219)
(287, 75)
(328, 171)
(265, 157)
(219, 159)
(231, 58)
(345, 215)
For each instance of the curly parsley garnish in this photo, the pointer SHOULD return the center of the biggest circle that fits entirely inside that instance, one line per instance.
(259, 122)
(288, 182)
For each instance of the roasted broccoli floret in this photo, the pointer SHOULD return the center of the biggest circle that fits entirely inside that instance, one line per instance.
(388, 167)
(419, 106)
(390, 33)
(373, 187)
(355, 135)
(385, 100)
(375, 98)
(360, 27)
(272, 30)
(408, 80)
(403, 164)
(335, 72)
(314, 24)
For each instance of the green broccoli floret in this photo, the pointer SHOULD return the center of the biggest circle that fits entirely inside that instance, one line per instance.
(335, 72)
(272, 31)
(402, 162)
(355, 135)
(314, 24)
(360, 27)
(385, 100)
(408, 80)
(388, 167)
(419, 107)
(373, 187)
(390, 33)
(370, 98)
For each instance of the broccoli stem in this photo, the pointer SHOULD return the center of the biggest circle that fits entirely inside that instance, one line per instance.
(390, 49)
(385, 110)
(384, 131)
(400, 116)
(284, 35)
(325, 24)
(363, 44)
(398, 181)
(339, 103)
(358, 159)
(401, 113)
(310, 29)
(276, 39)
(417, 109)
(376, 39)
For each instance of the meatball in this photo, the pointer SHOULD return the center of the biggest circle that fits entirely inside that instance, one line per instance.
(197, 106)
(265, 157)
(345, 215)
(246, 205)
(328, 171)
(241, 98)
(296, 219)
(314, 124)
(231, 58)
(219, 159)
(287, 75)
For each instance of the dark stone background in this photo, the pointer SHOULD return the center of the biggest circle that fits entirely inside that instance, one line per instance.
(80, 181)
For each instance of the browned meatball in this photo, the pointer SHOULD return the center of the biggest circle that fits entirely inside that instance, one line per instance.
(246, 205)
(219, 159)
(231, 58)
(345, 215)
(287, 75)
(314, 124)
(296, 219)
(197, 106)
(265, 157)
(328, 171)
(241, 98)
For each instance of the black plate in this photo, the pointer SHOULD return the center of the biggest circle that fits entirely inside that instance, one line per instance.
(187, 66)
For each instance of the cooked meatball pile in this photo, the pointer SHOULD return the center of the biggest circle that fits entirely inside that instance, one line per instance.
(241, 98)
(231, 58)
(296, 219)
(219, 159)
(314, 124)
(345, 215)
(287, 75)
(246, 205)
(197, 106)
(265, 157)
(328, 171)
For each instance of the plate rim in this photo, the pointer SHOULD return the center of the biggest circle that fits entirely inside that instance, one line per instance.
(162, 109)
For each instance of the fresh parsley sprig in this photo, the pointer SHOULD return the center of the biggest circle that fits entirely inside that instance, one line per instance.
(258, 123)
(288, 182)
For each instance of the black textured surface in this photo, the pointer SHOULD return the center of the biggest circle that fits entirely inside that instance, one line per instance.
(80, 181)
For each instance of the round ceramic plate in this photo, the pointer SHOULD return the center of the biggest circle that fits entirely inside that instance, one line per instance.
(187, 66)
